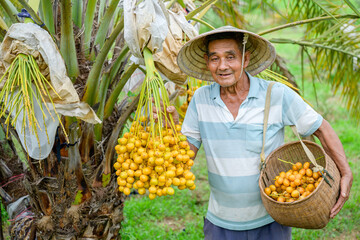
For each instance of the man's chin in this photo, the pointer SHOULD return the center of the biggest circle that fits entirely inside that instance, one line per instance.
(226, 84)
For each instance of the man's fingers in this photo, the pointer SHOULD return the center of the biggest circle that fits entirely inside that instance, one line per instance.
(344, 196)
(337, 207)
(172, 110)
(155, 117)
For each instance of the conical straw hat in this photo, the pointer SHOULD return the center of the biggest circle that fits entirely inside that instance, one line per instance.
(191, 56)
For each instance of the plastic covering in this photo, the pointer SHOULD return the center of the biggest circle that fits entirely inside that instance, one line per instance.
(29, 38)
(149, 24)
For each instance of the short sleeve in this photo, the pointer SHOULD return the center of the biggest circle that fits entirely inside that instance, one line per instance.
(190, 126)
(297, 112)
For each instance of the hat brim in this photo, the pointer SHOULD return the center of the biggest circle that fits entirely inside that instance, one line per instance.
(192, 62)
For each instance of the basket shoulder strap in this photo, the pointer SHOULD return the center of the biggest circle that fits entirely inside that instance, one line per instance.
(308, 153)
(266, 118)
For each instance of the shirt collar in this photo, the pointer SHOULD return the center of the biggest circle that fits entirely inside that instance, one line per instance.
(253, 91)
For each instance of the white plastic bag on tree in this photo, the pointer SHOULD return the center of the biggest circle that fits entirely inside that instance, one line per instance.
(38, 147)
(149, 24)
(145, 25)
(30, 39)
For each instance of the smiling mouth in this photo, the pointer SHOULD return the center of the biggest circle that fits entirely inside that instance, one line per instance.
(224, 74)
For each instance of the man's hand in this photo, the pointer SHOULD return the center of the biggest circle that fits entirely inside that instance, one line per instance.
(170, 111)
(345, 185)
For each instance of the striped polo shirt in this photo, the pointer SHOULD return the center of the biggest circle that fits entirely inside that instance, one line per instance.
(233, 146)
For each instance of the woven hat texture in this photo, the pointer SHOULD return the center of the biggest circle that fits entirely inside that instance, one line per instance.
(191, 56)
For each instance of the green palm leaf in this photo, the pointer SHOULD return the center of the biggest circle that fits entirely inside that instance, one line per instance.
(333, 57)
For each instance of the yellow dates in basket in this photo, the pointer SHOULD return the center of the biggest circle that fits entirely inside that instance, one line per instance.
(295, 184)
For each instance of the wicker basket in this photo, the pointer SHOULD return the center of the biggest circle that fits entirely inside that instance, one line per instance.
(312, 212)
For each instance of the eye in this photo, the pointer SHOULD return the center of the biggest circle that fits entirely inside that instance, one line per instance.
(231, 57)
(214, 59)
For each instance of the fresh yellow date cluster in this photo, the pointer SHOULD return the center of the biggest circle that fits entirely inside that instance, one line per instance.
(154, 165)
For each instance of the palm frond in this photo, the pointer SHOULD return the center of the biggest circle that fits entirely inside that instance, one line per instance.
(230, 13)
(298, 10)
(352, 7)
(304, 9)
(334, 57)
(307, 21)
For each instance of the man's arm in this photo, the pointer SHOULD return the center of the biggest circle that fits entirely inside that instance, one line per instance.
(333, 147)
(195, 149)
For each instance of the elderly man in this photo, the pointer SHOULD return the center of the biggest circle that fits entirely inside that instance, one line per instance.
(227, 118)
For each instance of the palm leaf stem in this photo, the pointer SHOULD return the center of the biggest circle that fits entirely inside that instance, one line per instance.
(3, 26)
(32, 13)
(109, 106)
(67, 41)
(102, 5)
(311, 20)
(75, 166)
(352, 7)
(199, 9)
(119, 60)
(204, 11)
(302, 68)
(105, 82)
(47, 11)
(104, 85)
(34, 4)
(110, 74)
(9, 9)
(324, 9)
(105, 22)
(92, 82)
(313, 45)
(88, 25)
(77, 9)
(202, 22)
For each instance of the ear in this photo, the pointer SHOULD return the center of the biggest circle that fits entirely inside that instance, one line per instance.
(246, 59)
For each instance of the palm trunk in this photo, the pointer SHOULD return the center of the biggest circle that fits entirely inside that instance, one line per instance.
(63, 202)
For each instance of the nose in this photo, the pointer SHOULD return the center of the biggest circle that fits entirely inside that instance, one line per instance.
(223, 64)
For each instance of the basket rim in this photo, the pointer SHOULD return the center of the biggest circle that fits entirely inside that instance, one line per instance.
(291, 143)
(297, 201)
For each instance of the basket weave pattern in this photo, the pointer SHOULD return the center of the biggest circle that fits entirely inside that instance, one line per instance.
(312, 212)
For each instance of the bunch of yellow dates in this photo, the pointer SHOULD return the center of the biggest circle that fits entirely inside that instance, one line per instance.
(154, 165)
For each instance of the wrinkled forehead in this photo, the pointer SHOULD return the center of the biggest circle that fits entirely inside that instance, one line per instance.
(233, 40)
(224, 47)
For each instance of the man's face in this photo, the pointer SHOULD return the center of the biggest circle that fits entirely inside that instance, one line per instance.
(225, 61)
